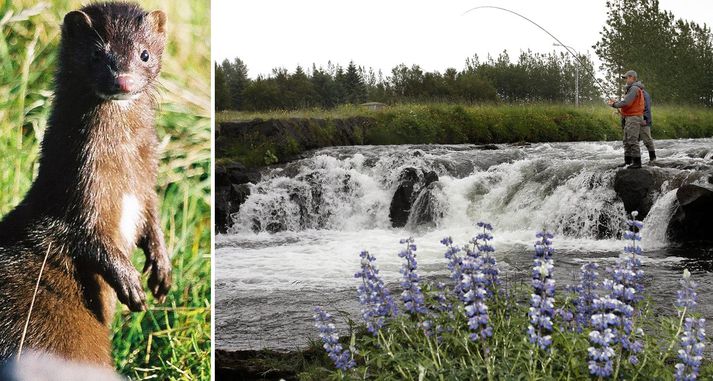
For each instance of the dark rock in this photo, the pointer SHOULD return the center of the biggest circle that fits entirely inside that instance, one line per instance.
(227, 202)
(409, 174)
(487, 147)
(235, 173)
(429, 177)
(410, 186)
(400, 206)
(425, 210)
(238, 195)
(222, 209)
(636, 187)
(692, 220)
(239, 174)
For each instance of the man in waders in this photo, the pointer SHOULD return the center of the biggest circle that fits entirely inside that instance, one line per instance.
(632, 110)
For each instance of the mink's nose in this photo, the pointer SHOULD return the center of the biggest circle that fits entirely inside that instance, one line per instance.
(126, 83)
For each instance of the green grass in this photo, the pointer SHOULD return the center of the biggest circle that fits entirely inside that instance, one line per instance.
(169, 341)
(459, 124)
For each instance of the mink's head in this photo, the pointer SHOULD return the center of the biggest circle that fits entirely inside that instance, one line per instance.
(112, 50)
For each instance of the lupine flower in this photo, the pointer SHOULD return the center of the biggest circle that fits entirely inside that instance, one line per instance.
(542, 300)
(627, 288)
(412, 295)
(455, 263)
(687, 296)
(691, 352)
(473, 287)
(327, 332)
(694, 334)
(377, 303)
(603, 336)
(585, 295)
(490, 265)
(617, 309)
(474, 294)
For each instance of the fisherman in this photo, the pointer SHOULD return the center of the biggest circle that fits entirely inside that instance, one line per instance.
(632, 110)
(646, 127)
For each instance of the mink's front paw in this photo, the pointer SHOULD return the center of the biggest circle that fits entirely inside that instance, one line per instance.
(129, 290)
(159, 268)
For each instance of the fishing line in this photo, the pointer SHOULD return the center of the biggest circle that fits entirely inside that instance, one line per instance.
(590, 72)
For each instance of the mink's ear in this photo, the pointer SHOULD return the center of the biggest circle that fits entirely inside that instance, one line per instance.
(157, 20)
(76, 22)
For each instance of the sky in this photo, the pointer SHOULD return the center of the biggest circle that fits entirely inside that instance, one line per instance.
(382, 34)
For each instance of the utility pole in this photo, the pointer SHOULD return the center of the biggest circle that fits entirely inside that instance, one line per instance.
(576, 75)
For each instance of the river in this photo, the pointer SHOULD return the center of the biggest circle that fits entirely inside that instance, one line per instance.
(296, 240)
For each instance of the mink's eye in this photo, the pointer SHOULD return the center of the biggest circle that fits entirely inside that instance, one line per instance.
(96, 54)
(145, 56)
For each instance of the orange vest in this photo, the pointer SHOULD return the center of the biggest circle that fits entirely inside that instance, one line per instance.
(636, 108)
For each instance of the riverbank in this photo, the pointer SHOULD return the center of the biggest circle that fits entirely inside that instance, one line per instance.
(258, 139)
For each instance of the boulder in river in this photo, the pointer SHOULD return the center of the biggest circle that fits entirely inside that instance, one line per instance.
(636, 188)
(227, 202)
(693, 219)
(231, 191)
(403, 197)
(411, 185)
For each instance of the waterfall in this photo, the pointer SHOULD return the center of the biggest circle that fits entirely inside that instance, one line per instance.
(341, 189)
(656, 222)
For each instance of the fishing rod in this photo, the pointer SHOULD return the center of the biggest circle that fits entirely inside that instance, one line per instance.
(590, 72)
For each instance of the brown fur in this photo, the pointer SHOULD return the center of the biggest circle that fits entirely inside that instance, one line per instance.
(95, 152)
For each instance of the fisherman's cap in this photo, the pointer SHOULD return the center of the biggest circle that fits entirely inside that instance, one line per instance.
(629, 73)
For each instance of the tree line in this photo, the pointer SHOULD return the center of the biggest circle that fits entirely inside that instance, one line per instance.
(533, 77)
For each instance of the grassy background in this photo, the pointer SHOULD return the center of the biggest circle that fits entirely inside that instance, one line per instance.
(454, 124)
(172, 340)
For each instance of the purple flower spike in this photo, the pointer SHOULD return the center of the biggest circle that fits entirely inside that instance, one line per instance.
(377, 303)
(687, 296)
(473, 297)
(542, 299)
(694, 334)
(476, 277)
(412, 296)
(603, 336)
(691, 352)
(489, 265)
(327, 332)
(585, 295)
(455, 263)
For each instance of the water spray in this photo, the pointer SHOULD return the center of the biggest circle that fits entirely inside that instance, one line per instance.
(590, 72)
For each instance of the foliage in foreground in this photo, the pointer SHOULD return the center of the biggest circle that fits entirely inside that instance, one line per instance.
(169, 341)
(481, 328)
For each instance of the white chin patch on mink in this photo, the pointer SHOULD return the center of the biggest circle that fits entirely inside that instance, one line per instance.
(119, 97)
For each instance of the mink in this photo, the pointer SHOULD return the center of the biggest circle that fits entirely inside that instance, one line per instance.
(93, 200)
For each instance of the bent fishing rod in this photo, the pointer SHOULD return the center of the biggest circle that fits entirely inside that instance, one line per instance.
(590, 72)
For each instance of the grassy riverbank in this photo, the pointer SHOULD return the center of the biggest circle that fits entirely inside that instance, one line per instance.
(456, 124)
(170, 341)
